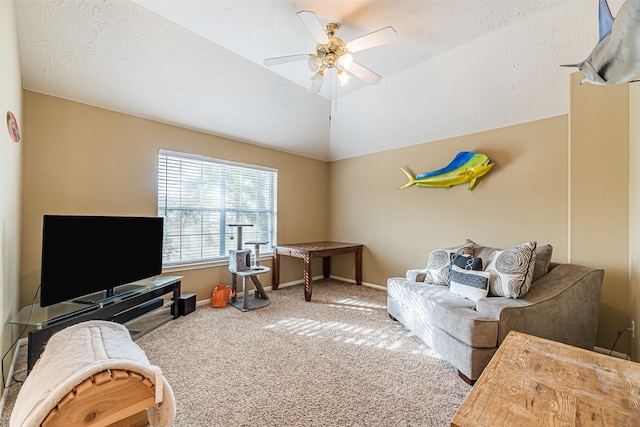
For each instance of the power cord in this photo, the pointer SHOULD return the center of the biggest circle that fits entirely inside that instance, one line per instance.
(33, 304)
(617, 338)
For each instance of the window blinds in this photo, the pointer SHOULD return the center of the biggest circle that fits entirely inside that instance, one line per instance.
(199, 196)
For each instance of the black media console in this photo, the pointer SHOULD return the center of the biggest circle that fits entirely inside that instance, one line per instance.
(142, 297)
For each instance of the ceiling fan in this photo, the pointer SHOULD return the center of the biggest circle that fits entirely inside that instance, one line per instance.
(332, 53)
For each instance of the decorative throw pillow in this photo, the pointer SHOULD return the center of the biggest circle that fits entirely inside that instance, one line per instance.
(511, 270)
(439, 262)
(485, 252)
(469, 283)
(543, 259)
(466, 262)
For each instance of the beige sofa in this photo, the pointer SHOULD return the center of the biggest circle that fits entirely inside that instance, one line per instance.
(562, 304)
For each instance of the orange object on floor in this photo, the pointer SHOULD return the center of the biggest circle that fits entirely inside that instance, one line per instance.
(220, 295)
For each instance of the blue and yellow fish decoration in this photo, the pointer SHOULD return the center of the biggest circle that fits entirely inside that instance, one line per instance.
(466, 167)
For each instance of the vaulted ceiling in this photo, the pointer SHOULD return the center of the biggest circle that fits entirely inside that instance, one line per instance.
(456, 67)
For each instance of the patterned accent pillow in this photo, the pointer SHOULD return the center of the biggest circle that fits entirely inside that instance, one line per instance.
(511, 270)
(439, 262)
(466, 262)
(469, 283)
(543, 257)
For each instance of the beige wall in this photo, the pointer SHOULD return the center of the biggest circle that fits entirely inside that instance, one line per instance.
(523, 198)
(634, 215)
(10, 175)
(84, 160)
(599, 197)
(573, 193)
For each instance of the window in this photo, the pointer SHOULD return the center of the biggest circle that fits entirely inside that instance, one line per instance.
(198, 197)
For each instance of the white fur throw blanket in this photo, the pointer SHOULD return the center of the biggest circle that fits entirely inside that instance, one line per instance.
(75, 354)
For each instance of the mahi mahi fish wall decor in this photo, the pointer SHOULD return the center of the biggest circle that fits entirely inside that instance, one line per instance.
(465, 167)
(616, 57)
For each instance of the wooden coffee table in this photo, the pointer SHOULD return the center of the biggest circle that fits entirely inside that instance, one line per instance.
(309, 251)
(532, 381)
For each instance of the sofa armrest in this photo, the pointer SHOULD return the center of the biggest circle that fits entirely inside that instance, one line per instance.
(561, 306)
(416, 275)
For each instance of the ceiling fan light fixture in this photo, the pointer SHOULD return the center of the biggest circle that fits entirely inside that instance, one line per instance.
(343, 77)
(345, 61)
(333, 53)
(317, 79)
(314, 62)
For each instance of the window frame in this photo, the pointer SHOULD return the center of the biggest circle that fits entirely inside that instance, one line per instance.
(271, 211)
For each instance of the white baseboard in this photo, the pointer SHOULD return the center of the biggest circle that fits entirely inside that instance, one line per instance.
(614, 354)
(368, 285)
(3, 400)
(343, 279)
(299, 282)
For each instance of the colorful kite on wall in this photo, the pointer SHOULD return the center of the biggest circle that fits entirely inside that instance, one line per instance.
(616, 57)
(465, 167)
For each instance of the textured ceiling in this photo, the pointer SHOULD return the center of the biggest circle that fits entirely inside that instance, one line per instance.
(457, 66)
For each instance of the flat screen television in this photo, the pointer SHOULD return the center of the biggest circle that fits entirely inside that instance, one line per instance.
(83, 255)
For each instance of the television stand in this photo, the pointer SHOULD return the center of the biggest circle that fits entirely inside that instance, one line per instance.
(104, 297)
(128, 309)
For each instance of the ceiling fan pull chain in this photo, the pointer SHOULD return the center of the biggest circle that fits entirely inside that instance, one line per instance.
(333, 97)
(330, 96)
(333, 87)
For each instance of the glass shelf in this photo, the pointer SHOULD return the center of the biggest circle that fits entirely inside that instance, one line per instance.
(41, 317)
(143, 324)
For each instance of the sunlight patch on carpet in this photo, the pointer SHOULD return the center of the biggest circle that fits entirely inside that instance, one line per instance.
(348, 333)
(359, 304)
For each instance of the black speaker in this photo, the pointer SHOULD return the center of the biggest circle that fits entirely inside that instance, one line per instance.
(186, 304)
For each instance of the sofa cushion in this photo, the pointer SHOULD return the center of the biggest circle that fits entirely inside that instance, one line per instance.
(413, 303)
(458, 317)
(543, 259)
(469, 283)
(483, 252)
(511, 270)
(439, 261)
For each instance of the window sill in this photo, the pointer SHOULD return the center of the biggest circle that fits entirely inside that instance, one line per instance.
(200, 265)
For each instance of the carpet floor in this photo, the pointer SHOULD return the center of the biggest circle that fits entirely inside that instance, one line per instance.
(338, 360)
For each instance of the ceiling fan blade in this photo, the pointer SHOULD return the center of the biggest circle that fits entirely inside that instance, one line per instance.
(311, 21)
(377, 38)
(284, 59)
(364, 74)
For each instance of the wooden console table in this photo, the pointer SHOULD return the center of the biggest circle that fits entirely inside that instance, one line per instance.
(532, 381)
(309, 251)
